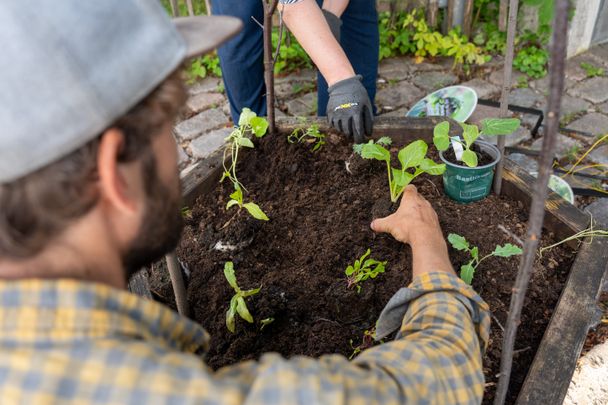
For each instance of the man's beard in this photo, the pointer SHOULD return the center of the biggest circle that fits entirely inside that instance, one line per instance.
(162, 224)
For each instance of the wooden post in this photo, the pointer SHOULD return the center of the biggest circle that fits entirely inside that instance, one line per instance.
(190, 8)
(269, 7)
(432, 12)
(506, 89)
(449, 23)
(502, 15)
(177, 281)
(174, 8)
(208, 7)
(468, 18)
(537, 209)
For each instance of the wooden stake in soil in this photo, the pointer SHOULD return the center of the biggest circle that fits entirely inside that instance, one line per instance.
(537, 209)
(432, 12)
(174, 8)
(269, 7)
(177, 281)
(190, 8)
(502, 15)
(506, 88)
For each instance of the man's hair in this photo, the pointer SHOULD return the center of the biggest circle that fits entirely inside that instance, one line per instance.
(37, 207)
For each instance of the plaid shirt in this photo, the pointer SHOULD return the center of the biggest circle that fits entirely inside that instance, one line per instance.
(67, 341)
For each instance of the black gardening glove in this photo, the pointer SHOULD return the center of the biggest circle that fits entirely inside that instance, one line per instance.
(334, 23)
(349, 109)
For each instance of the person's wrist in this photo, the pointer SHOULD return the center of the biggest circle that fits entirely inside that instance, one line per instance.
(338, 75)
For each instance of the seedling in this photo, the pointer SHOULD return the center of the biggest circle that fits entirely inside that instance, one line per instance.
(468, 270)
(592, 70)
(413, 156)
(237, 302)
(311, 134)
(265, 322)
(367, 341)
(363, 269)
(249, 122)
(470, 133)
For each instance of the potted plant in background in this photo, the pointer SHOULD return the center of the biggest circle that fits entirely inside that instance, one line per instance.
(470, 162)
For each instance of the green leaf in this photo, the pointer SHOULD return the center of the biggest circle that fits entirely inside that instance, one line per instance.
(458, 242)
(499, 126)
(507, 250)
(226, 175)
(230, 276)
(430, 167)
(470, 133)
(441, 135)
(255, 211)
(470, 158)
(349, 270)
(249, 293)
(242, 310)
(246, 142)
(384, 141)
(230, 321)
(259, 126)
(246, 116)
(475, 252)
(401, 178)
(466, 273)
(375, 151)
(237, 196)
(231, 203)
(413, 154)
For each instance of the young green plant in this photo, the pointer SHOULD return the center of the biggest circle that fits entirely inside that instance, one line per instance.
(249, 123)
(470, 133)
(237, 302)
(467, 271)
(309, 135)
(412, 157)
(363, 269)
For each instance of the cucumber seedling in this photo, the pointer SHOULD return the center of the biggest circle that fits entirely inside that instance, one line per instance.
(249, 122)
(363, 269)
(467, 271)
(412, 157)
(470, 133)
(237, 302)
(309, 135)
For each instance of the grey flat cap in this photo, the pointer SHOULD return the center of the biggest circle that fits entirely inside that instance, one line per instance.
(70, 68)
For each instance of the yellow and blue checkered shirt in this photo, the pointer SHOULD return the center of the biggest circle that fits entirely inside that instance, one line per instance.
(71, 342)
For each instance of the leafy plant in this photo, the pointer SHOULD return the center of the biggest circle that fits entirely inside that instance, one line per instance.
(470, 133)
(532, 60)
(203, 66)
(291, 55)
(367, 341)
(363, 269)
(310, 134)
(467, 271)
(412, 157)
(249, 123)
(237, 302)
(591, 70)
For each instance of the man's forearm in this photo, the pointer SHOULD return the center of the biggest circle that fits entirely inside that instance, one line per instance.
(307, 23)
(336, 7)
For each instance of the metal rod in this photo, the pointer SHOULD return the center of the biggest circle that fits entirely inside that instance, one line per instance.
(537, 209)
(506, 88)
(269, 8)
(177, 281)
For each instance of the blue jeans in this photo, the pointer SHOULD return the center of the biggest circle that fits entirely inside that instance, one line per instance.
(241, 58)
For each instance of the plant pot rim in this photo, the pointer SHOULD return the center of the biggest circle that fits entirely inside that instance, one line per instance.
(465, 167)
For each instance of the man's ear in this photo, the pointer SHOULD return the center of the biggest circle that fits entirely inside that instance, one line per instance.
(119, 183)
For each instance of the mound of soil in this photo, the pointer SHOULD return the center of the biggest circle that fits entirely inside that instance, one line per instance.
(320, 206)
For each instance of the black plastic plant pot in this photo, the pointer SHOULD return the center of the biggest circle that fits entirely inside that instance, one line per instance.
(467, 184)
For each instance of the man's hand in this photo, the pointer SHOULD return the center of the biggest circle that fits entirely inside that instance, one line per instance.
(416, 223)
(349, 109)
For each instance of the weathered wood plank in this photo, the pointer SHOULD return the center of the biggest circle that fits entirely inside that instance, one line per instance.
(561, 217)
(202, 178)
(138, 284)
(549, 377)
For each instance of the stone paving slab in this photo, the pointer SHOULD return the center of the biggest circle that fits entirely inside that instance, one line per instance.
(305, 105)
(204, 101)
(593, 123)
(594, 90)
(600, 53)
(395, 69)
(402, 94)
(574, 70)
(572, 105)
(399, 112)
(599, 210)
(201, 123)
(521, 135)
(497, 77)
(431, 81)
(484, 89)
(588, 385)
(563, 145)
(600, 154)
(525, 162)
(304, 75)
(603, 108)
(182, 157)
(526, 97)
(207, 85)
(206, 144)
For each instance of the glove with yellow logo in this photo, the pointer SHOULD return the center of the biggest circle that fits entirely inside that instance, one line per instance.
(349, 109)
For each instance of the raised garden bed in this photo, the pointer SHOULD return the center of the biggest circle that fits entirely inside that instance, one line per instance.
(320, 214)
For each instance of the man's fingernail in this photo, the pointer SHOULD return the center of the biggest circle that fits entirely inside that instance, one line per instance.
(372, 225)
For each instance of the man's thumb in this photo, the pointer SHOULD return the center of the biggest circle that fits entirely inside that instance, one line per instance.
(381, 224)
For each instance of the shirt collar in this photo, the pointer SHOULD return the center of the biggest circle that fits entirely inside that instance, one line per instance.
(61, 310)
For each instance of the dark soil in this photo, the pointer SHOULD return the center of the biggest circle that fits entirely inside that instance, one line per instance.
(483, 158)
(320, 206)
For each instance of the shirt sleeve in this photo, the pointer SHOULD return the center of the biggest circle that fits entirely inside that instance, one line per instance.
(435, 358)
